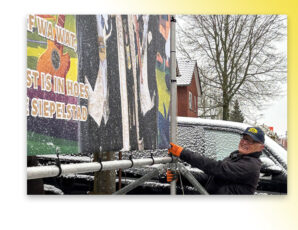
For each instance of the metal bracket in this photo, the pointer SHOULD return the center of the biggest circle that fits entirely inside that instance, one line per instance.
(130, 158)
(58, 164)
(100, 162)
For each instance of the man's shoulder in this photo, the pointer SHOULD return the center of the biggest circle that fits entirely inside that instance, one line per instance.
(255, 161)
(253, 156)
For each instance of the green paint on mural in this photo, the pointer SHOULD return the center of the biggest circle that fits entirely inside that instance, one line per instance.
(38, 144)
(34, 36)
(70, 23)
(31, 62)
(70, 51)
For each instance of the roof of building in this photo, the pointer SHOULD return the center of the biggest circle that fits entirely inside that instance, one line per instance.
(186, 69)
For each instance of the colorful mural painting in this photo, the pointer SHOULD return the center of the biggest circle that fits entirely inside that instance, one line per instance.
(97, 83)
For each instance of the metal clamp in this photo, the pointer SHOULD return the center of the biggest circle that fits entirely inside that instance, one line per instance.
(151, 156)
(130, 158)
(99, 161)
(58, 164)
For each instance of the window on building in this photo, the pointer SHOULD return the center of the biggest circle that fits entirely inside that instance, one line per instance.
(195, 105)
(190, 100)
(198, 104)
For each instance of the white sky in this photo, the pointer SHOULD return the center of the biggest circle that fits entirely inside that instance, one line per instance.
(276, 116)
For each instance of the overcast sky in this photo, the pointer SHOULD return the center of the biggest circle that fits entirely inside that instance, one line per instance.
(276, 116)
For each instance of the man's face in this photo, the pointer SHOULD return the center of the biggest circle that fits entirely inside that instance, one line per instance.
(247, 145)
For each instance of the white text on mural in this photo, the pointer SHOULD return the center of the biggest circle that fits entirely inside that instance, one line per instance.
(45, 82)
(46, 29)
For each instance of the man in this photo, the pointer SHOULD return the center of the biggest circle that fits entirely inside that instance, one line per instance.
(237, 173)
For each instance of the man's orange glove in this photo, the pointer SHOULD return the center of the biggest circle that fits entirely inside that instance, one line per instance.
(171, 176)
(175, 149)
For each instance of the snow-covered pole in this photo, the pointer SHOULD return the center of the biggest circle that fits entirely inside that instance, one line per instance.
(53, 170)
(192, 180)
(173, 134)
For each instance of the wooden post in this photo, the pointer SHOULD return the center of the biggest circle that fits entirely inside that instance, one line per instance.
(105, 181)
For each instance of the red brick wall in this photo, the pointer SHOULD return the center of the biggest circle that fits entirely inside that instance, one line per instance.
(193, 89)
(183, 98)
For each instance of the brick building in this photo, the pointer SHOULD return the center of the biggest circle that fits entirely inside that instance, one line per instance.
(188, 88)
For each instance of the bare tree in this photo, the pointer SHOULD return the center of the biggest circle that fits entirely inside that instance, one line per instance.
(237, 56)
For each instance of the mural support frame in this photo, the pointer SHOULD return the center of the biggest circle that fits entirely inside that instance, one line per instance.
(173, 106)
(140, 181)
(53, 170)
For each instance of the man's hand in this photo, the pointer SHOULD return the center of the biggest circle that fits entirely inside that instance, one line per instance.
(171, 176)
(175, 149)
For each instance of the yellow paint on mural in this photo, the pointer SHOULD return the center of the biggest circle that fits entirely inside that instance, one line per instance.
(35, 52)
(73, 70)
(163, 93)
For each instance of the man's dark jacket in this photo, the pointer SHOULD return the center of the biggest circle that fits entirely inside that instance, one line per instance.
(236, 174)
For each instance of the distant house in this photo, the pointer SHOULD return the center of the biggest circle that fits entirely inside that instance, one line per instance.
(188, 88)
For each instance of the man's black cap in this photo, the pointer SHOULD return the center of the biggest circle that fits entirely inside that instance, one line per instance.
(255, 133)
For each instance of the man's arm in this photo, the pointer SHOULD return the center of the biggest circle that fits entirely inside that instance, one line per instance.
(233, 171)
(236, 171)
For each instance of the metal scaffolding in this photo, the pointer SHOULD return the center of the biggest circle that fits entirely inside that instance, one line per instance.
(54, 170)
(197, 186)
(173, 134)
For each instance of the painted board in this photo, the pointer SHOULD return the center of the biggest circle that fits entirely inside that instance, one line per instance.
(97, 83)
